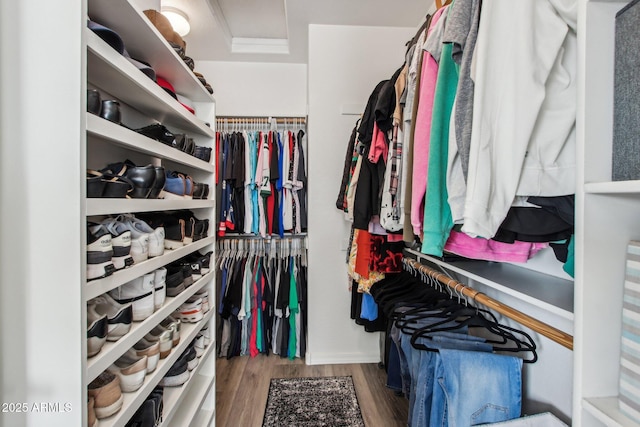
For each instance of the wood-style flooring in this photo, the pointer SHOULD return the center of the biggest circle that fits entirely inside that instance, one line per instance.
(242, 385)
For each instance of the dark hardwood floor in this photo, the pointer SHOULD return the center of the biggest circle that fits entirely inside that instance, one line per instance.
(242, 385)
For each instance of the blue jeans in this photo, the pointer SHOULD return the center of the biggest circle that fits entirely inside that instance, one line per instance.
(425, 374)
(472, 388)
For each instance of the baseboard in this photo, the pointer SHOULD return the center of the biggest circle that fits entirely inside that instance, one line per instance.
(340, 358)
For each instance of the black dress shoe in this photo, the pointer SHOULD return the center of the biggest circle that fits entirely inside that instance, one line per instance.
(142, 177)
(111, 110)
(94, 103)
(158, 184)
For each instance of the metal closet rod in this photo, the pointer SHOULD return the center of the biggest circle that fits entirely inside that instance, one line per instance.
(536, 325)
(279, 120)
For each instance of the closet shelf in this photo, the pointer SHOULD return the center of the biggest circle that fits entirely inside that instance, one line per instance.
(106, 131)
(181, 404)
(144, 42)
(613, 187)
(204, 418)
(111, 72)
(106, 206)
(99, 286)
(550, 293)
(132, 401)
(606, 410)
(111, 351)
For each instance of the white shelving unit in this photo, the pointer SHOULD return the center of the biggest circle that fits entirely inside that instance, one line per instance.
(607, 218)
(143, 101)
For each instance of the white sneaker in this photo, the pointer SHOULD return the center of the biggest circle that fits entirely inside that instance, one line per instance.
(99, 252)
(150, 349)
(131, 369)
(119, 315)
(121, 240)
(139, 292)
(139, 240)
(160, 294)
(203, 294)
(156, 236)
(190, 312)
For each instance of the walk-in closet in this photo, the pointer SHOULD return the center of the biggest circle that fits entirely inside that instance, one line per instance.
(281, 213)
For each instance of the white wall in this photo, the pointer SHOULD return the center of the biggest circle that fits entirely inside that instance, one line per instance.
(41, 109)
(345, 64)
(257, 89)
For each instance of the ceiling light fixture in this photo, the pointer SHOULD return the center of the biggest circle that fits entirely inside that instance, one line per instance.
(179, 20)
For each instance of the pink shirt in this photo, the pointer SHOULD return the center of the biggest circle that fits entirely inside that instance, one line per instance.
(490, 250)
(423, 132)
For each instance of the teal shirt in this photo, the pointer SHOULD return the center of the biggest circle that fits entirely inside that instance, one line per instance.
(437, 221)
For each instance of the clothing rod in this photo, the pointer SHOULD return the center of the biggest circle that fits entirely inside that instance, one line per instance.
(258, 237)
(279, 120)
(536, 325)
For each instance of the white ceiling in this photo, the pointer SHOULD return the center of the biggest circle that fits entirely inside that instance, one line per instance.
(277, 30)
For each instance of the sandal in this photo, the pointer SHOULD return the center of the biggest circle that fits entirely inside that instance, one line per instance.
(142, 177)
(107, 185)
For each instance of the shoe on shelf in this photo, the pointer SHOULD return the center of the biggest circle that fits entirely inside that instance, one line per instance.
(160, 293)
(97, 330)
(139, 240)
(175, 186)
(92, 421)
(198, 345)
(201, 229)
(200, 191)
(192, 357)
(173, 227)
(151, 349)
(173, 325)
(99, 252)
(138, 228)
(175, 280)
(107, 185)
(203, 294)
(131, 369)
(119, 316)
(149, 414)
(189, 224)
(190, 311)
(106, 393)
(158, 132)
(203, 153)
(142, 177)
(162, 336)
(177, 374)
(139, 292)
(205, 333)
(158, 184)
(121, 241)
(205, 261)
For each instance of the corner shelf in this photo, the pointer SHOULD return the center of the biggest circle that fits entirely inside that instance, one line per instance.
(606, 410)
(613, 187)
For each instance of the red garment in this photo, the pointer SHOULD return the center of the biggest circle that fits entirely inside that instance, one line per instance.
(379, 146)
(363, 256)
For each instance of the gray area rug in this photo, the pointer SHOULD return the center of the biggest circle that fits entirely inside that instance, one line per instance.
(311, 402)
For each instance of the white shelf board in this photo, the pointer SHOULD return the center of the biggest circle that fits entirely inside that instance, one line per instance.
(97, 287)
(550, 293)
(105, 130)
(204, 418)
(132, 401)
(112, 72)
(182, 403)
(106, 206)
(606, 410)
(613, 187)
(144, 42)
(113, 350)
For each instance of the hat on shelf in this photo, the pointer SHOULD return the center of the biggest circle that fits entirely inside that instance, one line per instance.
(114, 40)
(163, 25)
(168, 87)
